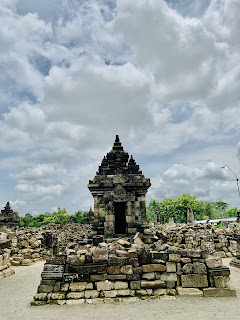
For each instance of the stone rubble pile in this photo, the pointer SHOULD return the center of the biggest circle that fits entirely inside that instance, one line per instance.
(5, 265)
(128, 268)
(28, 245)
(207, 237)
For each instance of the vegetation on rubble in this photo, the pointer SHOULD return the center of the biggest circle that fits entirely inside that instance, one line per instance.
(60, 216)
(177, 208)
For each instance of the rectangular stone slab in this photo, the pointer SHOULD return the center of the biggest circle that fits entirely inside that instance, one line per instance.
(52, 275)
(194, 281)
(87, 269)
(219, 292)
(222, 271)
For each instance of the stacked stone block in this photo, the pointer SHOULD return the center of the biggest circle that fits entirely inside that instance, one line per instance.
(131, 273)
(5, 265)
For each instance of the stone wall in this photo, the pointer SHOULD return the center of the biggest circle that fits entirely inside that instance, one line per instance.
(118, 270)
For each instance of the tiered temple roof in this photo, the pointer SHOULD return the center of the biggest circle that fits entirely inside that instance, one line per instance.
(8, 217)
(116, 162)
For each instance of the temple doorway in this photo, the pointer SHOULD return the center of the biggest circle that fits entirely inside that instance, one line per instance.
(120, 217)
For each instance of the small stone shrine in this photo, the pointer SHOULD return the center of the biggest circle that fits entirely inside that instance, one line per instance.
(90, 216)
(8, 218)
(119, 189)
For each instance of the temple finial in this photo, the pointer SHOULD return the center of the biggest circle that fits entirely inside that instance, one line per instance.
(117, 138)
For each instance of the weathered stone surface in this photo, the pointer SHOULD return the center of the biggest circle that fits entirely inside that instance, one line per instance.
(214, 262)
(219, 292)
(26, 262)
(75, 295)
(153, 267)
(40, 296)
(137, 270)
(187, 268)
(135, 285)
(142, 292)
(110, 294)
(120, 285)
(133, 277)
(152, 284)
(162, 255)
(221, 271)
(125, 293)
(105, 285)
(220, 281)
(64, 287)
(199, 268)
(160, 292)
(91, 294)
(168, 276)
(194, 281)
(174, 257)
(72, 277)
(78, 286)
(189, 292)
(56, 296)
(45, 288)
(171, 267)
(98, 277)
(38, 303)
(148, 276)
(127, 269)
(114, 270)
(117, 277)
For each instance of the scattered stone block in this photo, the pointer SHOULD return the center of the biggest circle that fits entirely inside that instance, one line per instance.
(219, 292)
(189, 292)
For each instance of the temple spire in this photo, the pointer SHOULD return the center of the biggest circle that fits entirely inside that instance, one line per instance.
(117, 144)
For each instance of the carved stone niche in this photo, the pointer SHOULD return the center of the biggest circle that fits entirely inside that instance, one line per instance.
(120, 194)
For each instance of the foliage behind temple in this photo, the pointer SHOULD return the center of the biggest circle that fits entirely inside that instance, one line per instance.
(61, 216)
(202, 210)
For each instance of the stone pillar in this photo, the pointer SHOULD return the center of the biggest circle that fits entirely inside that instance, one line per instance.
(190, 216)
(157, 222)
(162, 219)
(171, 220)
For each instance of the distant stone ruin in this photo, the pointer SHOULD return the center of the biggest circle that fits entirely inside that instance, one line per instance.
(190, 216)
(119, 189)
(8, 218)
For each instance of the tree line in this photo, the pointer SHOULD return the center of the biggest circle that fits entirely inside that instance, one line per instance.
(60, 216)
(177, 208)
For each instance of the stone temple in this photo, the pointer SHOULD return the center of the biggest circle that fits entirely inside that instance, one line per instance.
(8, 218)
(119, 189)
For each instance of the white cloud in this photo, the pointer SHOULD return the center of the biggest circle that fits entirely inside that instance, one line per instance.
(77, 74)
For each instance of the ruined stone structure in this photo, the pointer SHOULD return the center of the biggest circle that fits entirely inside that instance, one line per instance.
(8, 218)
(119, 189)
(90, 216)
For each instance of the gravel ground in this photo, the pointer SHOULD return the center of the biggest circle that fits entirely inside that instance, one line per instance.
(17, 291)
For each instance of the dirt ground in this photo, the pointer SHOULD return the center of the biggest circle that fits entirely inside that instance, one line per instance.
(17, 291)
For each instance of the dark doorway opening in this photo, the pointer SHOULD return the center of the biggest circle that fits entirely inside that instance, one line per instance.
(120, 217)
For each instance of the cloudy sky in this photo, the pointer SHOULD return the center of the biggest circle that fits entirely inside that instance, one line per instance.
(164, 75)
